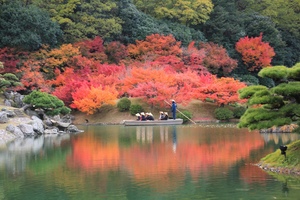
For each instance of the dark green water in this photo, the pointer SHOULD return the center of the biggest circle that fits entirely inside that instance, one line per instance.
(168, 162)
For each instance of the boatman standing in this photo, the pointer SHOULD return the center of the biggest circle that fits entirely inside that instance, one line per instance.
(173, 109)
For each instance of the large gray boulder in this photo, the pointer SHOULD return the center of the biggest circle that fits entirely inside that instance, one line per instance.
(3, 117)
(10, 114)
(37, 124)
(15, 130)
(18, 99)
(66, 119)
(8, 102)
(73, 129)
(27, 130)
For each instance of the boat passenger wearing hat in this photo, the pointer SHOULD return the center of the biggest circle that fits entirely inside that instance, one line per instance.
(173, 109)
(143, 117)
(166, 117)
(138, 116)
(150, 117)
(161, 115)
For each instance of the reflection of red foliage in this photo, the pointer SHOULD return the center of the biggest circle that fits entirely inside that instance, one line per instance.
(159, 164)
(91, 154)
(190, 156)
(253, 174)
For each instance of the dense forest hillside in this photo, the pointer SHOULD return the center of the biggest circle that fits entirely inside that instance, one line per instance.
(90, 53)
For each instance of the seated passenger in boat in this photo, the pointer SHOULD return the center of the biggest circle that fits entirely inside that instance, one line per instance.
(161, 115)
(143, 117)
(138, 116)
(149, 117)
(166, 117)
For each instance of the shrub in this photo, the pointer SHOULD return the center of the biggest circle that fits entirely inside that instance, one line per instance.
(124, 104)
(249, 79)
(238, 111)
(8, 80)
(223, 113)
(136, 108)
(184, 116)
(51, 104)
(268, 82)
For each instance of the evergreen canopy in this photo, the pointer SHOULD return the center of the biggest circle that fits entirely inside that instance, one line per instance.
(276, 106)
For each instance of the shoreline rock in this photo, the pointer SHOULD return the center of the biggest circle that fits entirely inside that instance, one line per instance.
(279, 170)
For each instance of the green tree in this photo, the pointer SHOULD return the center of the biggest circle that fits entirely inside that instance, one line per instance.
(224, 27)
(27, 27)
(8, 80)
(138, 25)
(81, 19)
(49, 103)
(284, 13)
(276, 106)
(229, 21)
(286, 16)
(190, 12)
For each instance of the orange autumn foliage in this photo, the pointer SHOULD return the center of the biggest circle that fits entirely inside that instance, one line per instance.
(155, 44)
(32, 78)
(222, 91)
(153, 85)
(188, 84)
(59, 57)
(89, 99)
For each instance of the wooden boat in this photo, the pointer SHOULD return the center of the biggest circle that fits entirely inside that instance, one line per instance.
(152, 123)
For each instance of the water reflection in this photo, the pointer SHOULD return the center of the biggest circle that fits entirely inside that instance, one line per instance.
(174, 136)
(144, 134)
(280, 138)
(18, 153)
(285, 189)
(159, 162)
(163, 132)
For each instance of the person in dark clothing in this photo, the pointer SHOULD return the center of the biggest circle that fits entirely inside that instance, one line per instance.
(173, 109)
(143, 117)
(166, 117)
(138, 116)
(150, 117)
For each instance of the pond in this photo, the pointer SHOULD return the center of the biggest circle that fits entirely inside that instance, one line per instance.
(203, 161)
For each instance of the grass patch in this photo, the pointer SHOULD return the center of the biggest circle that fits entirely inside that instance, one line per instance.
(292, 159)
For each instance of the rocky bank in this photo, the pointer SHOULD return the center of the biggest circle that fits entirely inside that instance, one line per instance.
(19, 121)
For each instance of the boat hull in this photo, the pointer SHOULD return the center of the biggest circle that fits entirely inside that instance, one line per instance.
(153, 123)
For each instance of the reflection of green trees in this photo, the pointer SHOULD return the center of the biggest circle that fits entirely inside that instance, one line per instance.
(39, 168)
(49, 162)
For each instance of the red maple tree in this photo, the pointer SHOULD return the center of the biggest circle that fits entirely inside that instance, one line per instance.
(92, 49)
(153, 85)
(32, 77)
(154, 45)
(216, 59)
(256, 54)
(222, 91)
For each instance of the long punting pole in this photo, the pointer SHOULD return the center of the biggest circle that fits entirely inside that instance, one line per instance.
(181, 113)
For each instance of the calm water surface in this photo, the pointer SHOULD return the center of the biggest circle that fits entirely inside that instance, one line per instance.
(167, 162)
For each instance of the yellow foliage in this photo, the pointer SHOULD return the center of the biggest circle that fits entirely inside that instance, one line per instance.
(59, 57)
